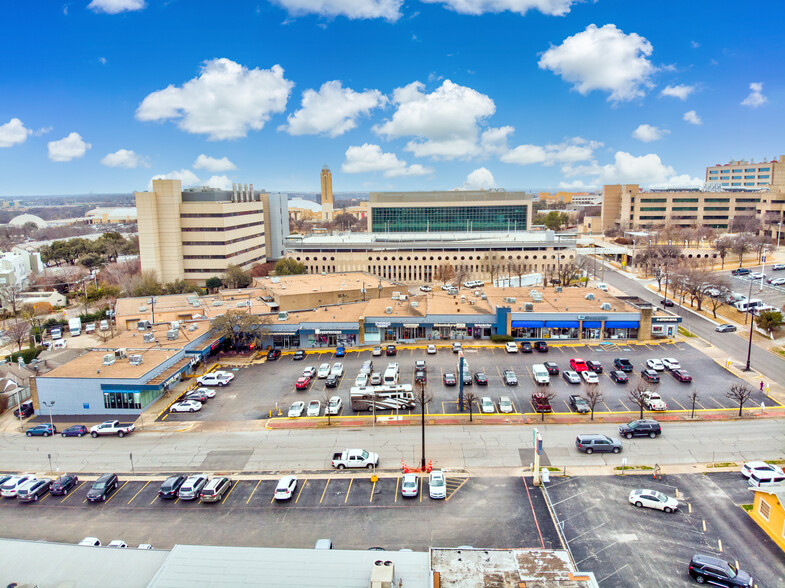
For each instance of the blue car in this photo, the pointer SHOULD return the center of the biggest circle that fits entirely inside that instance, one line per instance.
(75, 431)
(41, 430)
(340, 352)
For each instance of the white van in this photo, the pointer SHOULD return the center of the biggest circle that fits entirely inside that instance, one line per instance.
(602, 286)
(540, 374)
(390, 377)
(764, 479)
(747, 305)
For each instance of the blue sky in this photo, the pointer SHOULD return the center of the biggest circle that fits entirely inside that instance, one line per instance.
(103, 95)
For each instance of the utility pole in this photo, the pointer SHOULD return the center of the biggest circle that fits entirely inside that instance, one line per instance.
(422, 425)
(752, 326)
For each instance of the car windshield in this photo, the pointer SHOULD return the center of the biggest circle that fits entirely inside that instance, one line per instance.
(99, 485)
(438, 482)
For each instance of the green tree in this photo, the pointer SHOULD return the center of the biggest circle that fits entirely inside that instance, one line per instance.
(180, 287)
(554, 220)
(290, 267)
(236, 277)
(92, 260)
(770, 320)
(212, 284)
(239, 327)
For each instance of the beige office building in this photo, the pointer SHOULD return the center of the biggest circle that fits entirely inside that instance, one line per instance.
(415, 257)
(743, 174)
(196, 234)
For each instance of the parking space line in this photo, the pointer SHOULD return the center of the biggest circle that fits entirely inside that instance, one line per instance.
(679, 403)
(252, 491)
(607, 408)
(223, 500)
(624, 405)
(372, 490)
(67, 496)
(137, 494)
(458, 487)
(397, 481)
(420, 492)
(718, 403)
(116, 492)
(567, 405)
(324, 491)
(345, 500)
(301, 490)
(154, 499)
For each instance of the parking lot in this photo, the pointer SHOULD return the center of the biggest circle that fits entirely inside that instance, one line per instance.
(351, 510)
(263, 390)
(627, 546)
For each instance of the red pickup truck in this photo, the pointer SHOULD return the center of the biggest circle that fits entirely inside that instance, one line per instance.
(541, 403)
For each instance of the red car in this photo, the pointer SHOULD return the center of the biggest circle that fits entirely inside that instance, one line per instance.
(302, 382)
(578, 365)
(682, 375)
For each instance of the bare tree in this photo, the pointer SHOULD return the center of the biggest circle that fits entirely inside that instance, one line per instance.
(694, 398)
(10, 296)
(444, 274)
(758, 244)
(593, 397)
(739, 392)
(241, 327)
(462, 274)
(326, 401)
(718, 295)
(694, 277)
(723, 246)
(741, 245)
(470, 397)
(18, 332)
(637, 394)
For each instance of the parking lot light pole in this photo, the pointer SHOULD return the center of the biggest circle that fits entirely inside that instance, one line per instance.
(49, 405)
(422, 426)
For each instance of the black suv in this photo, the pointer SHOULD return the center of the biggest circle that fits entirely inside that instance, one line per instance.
(391, 350)
(541, 346)
(170, 486)
(26, 408)
(273, 354)
(526, 347)
(299, 354)
(623, 364)
(579, 403)
(641, 428)
(552, 367)
(102, 488)
(594, 366)
(63, 485)
(705, 568)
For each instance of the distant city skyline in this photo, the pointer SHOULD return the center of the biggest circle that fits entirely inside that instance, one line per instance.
(534, 95)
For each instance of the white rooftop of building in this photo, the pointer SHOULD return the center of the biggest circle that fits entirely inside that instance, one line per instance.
(395, 239)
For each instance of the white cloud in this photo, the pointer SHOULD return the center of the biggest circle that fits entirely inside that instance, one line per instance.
(219, 183)
(370, 158)
(332, 111)
(68, 148)
(353, 9)
(756, 97)
(479, 179)
(681, 91)
(649, 133)
(213, 164)
(445, 122)
(102, 60)
(694, 44)
(116, 6)
(224, 102)
(577, 185)
(549, 7)
(569, 151)
(494, 140)
(13, 133)
(647, 170)
(692, 117)
(124, 158)
(186, 176)
(603, 59)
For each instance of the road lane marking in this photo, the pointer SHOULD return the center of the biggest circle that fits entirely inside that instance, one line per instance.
(301, 490)
(67, 496)
(252, 491)
(137, 494)
(116, 492)
(325, 490)
(345, 500)
(230, 491)
(372, 491)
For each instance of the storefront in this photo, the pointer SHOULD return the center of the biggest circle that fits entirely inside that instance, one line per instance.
(665, 326)
(591, 329)
(286, 339)
(328, 335)
(560, 330)
(527, 329)
(621, 329)
(449, 331)
(481, 330)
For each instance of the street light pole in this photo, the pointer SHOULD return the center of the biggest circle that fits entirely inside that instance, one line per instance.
(49, 405)
(422, 421)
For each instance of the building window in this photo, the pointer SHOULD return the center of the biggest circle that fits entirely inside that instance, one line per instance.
(763, 169)
(735, 177)
(760, 177)
(717, 200)
(764, 509)
(452, 218)
(685, 200)
(735, 183)
(687, 208)
(652, 208)
(716, 208)
(649, 200)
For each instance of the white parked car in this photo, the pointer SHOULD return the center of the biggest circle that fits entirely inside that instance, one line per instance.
(757, 276)
(314, 408)
(119, 543)
(505, 404)
(410, 485)
(213, 379)
(777, 281)
(437, 484)
(324, 371)
(376, 379)
(309, 372)
(296, 409)
(186, 406)
(602, 286)
(224, 374)
(511, 347)
(209, 392)
(337, 370)
(91, 541)
(590, 377)
(653, 499)
(432, 348)
(286, 487)
(654, 401)
(361, 380)
(334, 406)
(671, 363)
(486, 405)
(655, 364)
(376, 351)
(144, 546)
(760, 467)
(425, 288)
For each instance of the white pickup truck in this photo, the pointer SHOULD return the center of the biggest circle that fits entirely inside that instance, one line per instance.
(112, 428)
(355, 458)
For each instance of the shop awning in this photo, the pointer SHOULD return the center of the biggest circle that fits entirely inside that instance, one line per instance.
(562, 324)
(592, 324)
(622, 324)
(527, 324)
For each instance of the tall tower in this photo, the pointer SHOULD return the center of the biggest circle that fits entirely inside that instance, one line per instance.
(327, 193)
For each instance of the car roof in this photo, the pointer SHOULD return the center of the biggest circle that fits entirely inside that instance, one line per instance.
(103, 477)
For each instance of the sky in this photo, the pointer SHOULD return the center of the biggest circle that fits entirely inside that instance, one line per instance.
(104, 95)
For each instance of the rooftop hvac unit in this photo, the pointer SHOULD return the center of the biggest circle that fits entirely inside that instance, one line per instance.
(135, 359)
(171, 335)
(589, 296)
(148, 337)
(414, 304)
(283, 315)
(195, 304)
(536, 296)
(218, 302)
(528, 307)
(388, 310)
(472, 302)
(383, 574)
(396, 295)
(605, 306)
(193, 327)
(483, 297)
(119, 353)
(510, 299)
(108, 359)
(144, 325)
(142, 308)
(275, 280)
(175, 326)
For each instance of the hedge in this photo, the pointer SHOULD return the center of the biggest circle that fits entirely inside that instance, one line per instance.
(28, 354)
(501, 338)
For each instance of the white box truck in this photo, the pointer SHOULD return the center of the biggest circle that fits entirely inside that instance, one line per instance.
(75, 326)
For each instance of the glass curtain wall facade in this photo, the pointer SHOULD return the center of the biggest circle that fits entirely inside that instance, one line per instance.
(449, 218)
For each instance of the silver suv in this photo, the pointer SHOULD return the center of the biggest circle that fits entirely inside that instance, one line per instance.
(191, 487)
(215, 489)
(598, 443)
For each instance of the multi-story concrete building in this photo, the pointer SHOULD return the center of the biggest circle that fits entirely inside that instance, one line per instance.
(17, 266)
(415, 257)
(629, 206)
(466, 211)
(327, 193)
(197, 234)
(748, 175)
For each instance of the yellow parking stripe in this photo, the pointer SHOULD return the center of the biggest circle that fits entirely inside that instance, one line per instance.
(372, 490)
(67, 496)
(137, 494)
(252, 491)
(154, 499)
(325, 490)
(43, 497)
(230, 491)
(420, 492)
(301, 490)
(116, 492)
(345, 500)
(397, 481)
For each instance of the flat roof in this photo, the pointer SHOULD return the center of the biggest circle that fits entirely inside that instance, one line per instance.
(570, 299)
(90, 365)
(337, 282)
(448, 196)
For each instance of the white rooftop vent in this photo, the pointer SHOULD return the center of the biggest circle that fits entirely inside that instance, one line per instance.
(510, 300)
(108, 359)
(605, 306)
(283, 315)
(589, 296)
(218, 302)
(148, 337)
(275, 280)
(414, 304)
(536, 296)
(388, 310)
(135, 359)
(142, 308)
(383, 574)
(193, 327)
